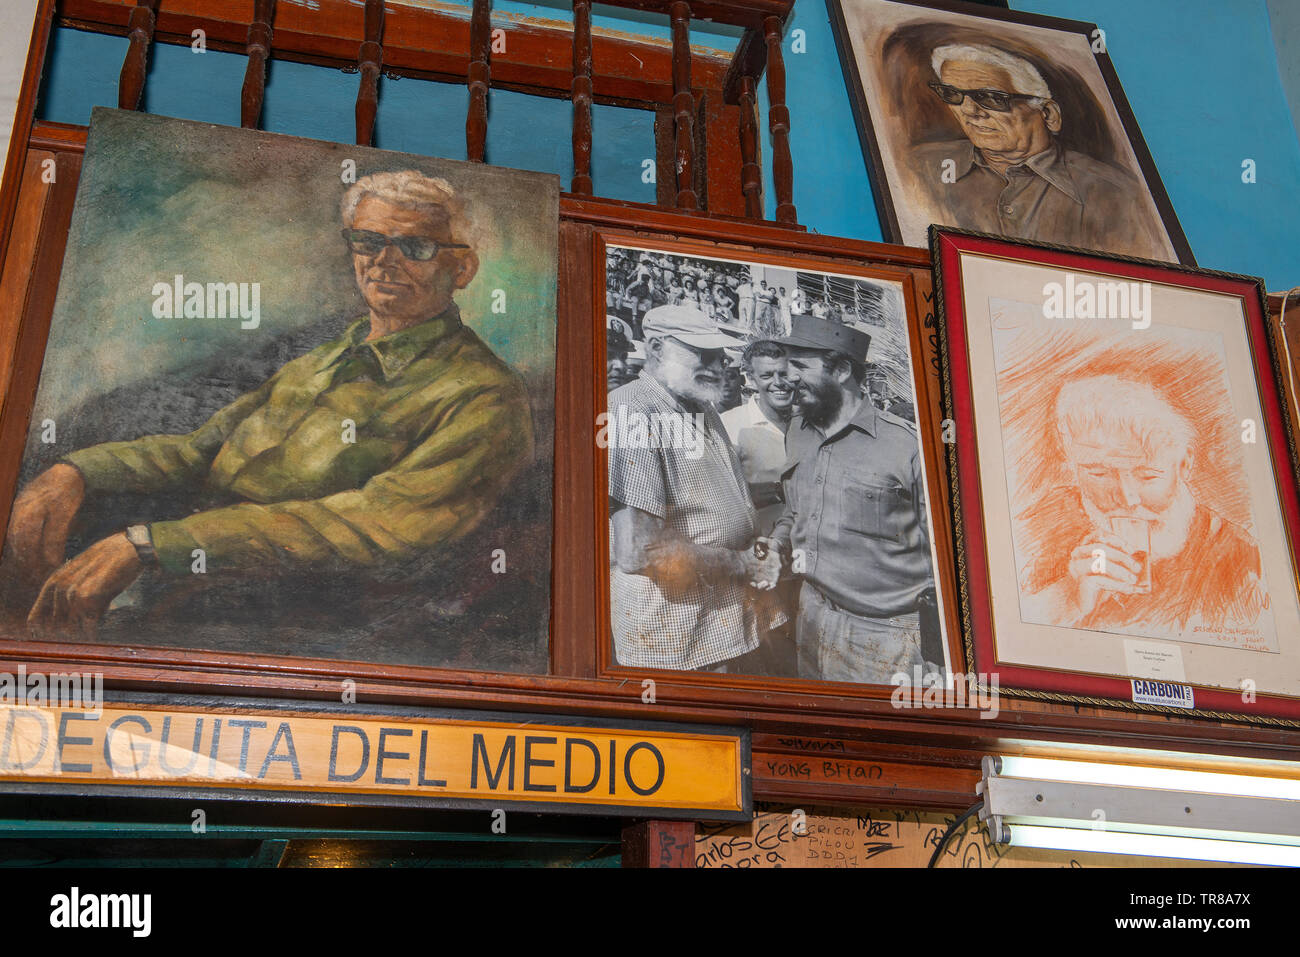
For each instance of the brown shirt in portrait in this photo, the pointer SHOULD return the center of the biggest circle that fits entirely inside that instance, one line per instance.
(1058, 196)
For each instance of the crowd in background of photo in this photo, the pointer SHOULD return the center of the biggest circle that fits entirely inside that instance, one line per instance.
(753, 301)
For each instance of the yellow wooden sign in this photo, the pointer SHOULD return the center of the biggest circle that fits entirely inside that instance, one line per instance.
(445, 758)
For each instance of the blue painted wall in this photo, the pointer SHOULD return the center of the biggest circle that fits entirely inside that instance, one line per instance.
(1202, 76)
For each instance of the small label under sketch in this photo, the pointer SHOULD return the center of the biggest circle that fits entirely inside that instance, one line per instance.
(1146, 691)
(1154, 659)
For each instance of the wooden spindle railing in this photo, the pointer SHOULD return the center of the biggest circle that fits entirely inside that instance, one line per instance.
(370, 60)
(778, 123)
(582, 97)
(259, 48)
(688, 121)
(751, 174)
(683, 106)
(480, 73)
(140, 26)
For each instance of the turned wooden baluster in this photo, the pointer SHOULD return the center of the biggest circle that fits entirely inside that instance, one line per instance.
(480, 72)
(778, 123)
(130, 85)
(259, 48)
(582, 97)
(683, 105)
(370, 59)
(751, 174)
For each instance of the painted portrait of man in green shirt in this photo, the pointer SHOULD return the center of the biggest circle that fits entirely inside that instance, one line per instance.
(386, 444)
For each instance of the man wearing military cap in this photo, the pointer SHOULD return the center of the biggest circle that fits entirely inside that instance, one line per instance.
(855, 524)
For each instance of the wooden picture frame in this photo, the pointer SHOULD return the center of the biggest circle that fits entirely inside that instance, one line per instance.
(918, 158)
(96, 430)
(1103, 445)
(928, 426)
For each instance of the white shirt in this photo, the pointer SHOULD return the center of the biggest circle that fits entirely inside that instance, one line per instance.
(761, 447)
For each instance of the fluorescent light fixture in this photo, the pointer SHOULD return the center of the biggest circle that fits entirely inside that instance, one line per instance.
(1138, 776)
(1137, 809)
(1152, 845)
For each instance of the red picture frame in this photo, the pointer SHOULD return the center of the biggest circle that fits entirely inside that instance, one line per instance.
(975, 563)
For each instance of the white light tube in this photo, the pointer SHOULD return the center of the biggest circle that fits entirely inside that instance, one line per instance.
(1136, 776)
(1152, 845)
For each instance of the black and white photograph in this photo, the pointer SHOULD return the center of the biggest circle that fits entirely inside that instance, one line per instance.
(768, 506)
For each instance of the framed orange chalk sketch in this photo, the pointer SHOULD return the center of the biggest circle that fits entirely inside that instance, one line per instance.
(1126, 472)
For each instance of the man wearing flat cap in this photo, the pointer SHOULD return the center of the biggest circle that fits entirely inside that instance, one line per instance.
(855, 522)
(682, 527)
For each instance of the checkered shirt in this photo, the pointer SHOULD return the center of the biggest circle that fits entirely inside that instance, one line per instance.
(705, 501)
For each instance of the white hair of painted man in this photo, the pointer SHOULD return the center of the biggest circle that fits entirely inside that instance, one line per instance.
(1103, 410)
(1024, 75)
(413, 190)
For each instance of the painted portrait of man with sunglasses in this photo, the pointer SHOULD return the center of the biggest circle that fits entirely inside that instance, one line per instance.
(389, 441)
(1010, 174)
(1001, 122)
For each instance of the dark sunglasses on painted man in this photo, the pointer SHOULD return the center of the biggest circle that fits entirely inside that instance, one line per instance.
(995, 100)
(419, 248)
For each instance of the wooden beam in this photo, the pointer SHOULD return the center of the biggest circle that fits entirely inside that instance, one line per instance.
(16, 275)
(742, 13)
(33, 324)
(139, 27)
(659, 844)
(24, 117)
(63, 137)
(480, 76)
(749, 59)
(370, 61)
(582, 97)
(579, 396)
(778, 124)
(259, 49)
(683, 106)
(665, 156)
(751, 173)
